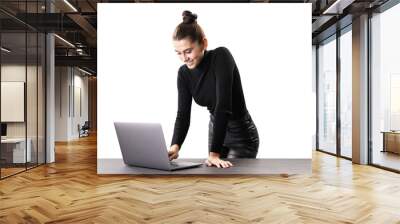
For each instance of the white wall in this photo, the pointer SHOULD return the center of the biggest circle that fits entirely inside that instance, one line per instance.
(68, 83)
(137, 70)
(61, 103)
(80, 83)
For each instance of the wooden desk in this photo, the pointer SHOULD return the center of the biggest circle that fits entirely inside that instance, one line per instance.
(391, 141)
(241, 167)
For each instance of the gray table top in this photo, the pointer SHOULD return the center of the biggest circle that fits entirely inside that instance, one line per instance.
(241, 166)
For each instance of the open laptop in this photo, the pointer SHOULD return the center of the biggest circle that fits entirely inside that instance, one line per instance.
(143, 145)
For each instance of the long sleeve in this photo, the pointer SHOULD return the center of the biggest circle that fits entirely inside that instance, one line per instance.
(182, 121)
(224, 68)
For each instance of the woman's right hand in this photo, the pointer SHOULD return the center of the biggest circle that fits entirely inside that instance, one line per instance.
(173, 152)
(214, 160)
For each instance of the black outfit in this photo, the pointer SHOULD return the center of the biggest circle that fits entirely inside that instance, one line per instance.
(215, 83)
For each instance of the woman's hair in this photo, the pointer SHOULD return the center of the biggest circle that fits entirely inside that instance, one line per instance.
(189, 28)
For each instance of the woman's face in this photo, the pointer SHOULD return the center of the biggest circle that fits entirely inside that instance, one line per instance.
(190, 52)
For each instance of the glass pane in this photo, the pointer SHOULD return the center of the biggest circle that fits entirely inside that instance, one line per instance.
(346, 93)
(386, 89)
(14, 153)
(41, 98)
(22, 88)
(327, 96)
(31, 83)
(31, 101)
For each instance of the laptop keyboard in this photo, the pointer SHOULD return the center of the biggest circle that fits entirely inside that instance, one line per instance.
(174, 164)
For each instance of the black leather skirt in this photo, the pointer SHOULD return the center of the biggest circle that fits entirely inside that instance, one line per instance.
(241, 139)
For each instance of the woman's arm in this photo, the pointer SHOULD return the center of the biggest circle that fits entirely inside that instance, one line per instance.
(182, 121)
(224, 68)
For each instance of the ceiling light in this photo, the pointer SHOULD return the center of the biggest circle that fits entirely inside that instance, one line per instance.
(70, 5)
(5, 49)
(64, 40)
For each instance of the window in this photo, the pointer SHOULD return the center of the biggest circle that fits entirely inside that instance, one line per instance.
(385, 88)
(327, 96)
(346, 93)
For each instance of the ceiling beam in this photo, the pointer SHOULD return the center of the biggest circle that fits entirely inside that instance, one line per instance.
(321, 20)
(85, 61)
(83, 23)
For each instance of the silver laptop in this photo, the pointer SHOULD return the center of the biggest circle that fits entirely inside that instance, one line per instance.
(143, 145)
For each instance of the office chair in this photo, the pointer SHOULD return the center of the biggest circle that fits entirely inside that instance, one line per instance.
(84, 130)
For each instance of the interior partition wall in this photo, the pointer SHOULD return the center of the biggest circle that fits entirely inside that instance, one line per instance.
(22, 76)
(334, 105)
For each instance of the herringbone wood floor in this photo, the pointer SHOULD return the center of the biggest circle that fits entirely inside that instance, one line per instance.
(70, 191)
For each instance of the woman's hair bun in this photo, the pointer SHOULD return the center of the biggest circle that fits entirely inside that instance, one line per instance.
(189, 17)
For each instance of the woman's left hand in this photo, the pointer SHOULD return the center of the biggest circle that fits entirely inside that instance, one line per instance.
(213, 159)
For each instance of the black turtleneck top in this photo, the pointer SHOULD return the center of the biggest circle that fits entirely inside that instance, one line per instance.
(213, 83)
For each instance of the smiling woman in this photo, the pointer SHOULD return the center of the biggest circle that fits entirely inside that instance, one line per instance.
(189, 40)
(212, 79)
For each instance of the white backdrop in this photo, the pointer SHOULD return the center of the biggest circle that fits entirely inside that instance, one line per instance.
(271, 44)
